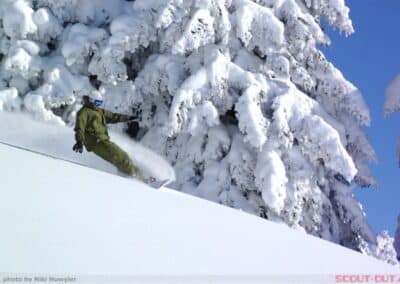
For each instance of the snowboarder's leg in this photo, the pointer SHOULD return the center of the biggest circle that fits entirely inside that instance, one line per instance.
(112, 153)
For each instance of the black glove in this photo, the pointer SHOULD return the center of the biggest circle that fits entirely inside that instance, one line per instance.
(131, 118)
(78, 147)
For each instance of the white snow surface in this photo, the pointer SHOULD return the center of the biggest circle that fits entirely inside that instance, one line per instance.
(81, 221)
(56, 140)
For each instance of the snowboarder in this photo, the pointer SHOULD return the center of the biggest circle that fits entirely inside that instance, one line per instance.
(91, 132)
(397, 239)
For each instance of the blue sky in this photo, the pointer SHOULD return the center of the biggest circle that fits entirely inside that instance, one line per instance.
(370, 60)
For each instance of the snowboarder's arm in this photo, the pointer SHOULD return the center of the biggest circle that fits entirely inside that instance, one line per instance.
(80, 126)
(112, 117)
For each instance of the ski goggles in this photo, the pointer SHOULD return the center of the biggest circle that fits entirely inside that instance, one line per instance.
(98, 103)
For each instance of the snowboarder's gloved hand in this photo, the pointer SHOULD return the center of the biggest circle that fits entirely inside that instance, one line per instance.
(131, 118)
(78, 147)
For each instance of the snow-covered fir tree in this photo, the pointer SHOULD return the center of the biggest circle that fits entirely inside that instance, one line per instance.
(396, 242)
(384, 249)
(234, 93)
(392, 103)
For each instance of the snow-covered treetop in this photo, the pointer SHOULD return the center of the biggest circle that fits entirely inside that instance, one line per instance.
(392, 102)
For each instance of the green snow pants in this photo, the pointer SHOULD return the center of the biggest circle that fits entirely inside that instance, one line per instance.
(112, 153)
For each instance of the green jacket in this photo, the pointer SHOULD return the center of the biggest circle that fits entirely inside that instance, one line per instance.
(91, 125)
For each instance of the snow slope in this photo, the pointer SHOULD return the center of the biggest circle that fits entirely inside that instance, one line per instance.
(57, 140)
(60, 218)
